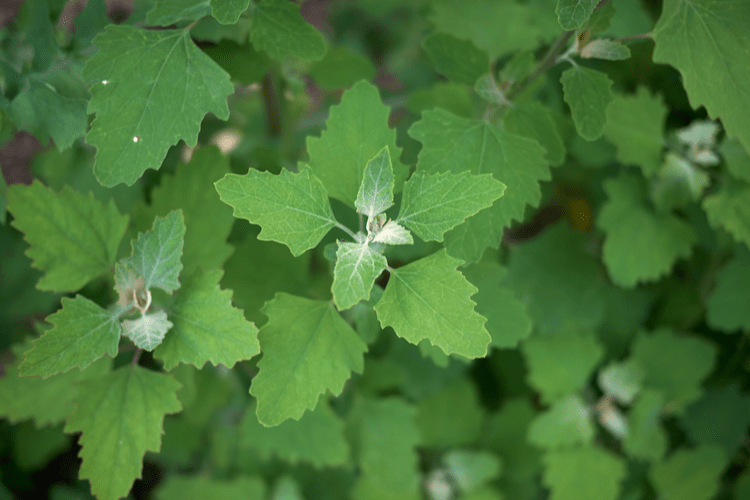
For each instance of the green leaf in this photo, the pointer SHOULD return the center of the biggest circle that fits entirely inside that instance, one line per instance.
(341, 68)
(693, 474)
(508, 320)
(706, 41)
(458, 60)
(154, 88)
(726, 405)
(452, 417)
(46, 401)
(156, 256)
(633, 231)
(375, 194)
(388, 456)
(198, 487)
(429, 299)
(454, 144)
(167, 12)
(727, 306)
(621, 381)
(307, 349)
(560, 364)
(393, 234)
(585, 473)
(206, 326)
(357, 267)
(674, 364)
(609, 50)
(736, 159)
(433, 204)
(120, 416)
(148, 331)
(534, 120)
(568, 422)
(646, 439)
(3, 200)
(279, 29)
(201, 487)
(208, 221)
(356, 131)
(573, 14)
(729, 208)
(243, 63)
(34, 447)
(506, 434)
(73, 237)
(316, 438)
(471, 469)
(588, 93)
(679, 182)
(292, 209)
(228, 11)
(635, 126)
(83, 332)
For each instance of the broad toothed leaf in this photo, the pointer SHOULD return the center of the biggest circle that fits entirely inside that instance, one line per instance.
(694, 474)
(279, 29)
(83, 333)
(585, 473)
(729, 208)
(73, 237)
(120, 416)
(357, 267)
(154, 88)
(429, 299)
(148, 331)
(588, 92)
(459, 60)
(375, 194)
(292, 209)
(307, 349)
(727, 305)
(573, 14)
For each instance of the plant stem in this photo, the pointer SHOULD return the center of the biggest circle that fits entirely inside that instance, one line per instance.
(271, 102)
(549, 60)
(346, 230)
(639, 36)
(136, 356)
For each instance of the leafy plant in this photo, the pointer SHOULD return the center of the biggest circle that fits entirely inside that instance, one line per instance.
(438, 249)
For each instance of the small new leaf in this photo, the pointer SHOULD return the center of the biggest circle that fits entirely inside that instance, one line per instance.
(148, 331)
(156, 256)
(376, 191)
(429, 299)
(393, 234)
(588, 93)
(434, 204)
(357, 267)
(83, 332)
(605, 49)
(292, 209)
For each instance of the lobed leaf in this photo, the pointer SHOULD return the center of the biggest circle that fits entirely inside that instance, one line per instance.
(279, 29)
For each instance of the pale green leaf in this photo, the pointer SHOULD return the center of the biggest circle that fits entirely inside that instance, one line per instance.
(727, 308)
(690, 474)
(167, 12)
(148, 331)
(307, 349)
(292, 209)
(228, 11)
(279, 29)
(156, 256)
(635, 126)
(508, 319)
(208, 221)
(707, 42)
(429, 299)
(83, 332)
(640, 245)
(472, 469)
(729, 208)
(568, 422)
(199, 487)
(388, 457)
(393, 234)
(206, 326)
(560, 364)
(433, 204)
(534, 120)
(73, 237)
(674, 364)
(356, 130)
(736, 159)
(621, 381)
(286, 488)
(454, 144)
(357, 267)
(609, 50)
(586, 473)
(452, 417)
(727, 405)
(573, 14)
(153, 89)
(120, 416)
(375, 194)
(679, 183)
(588, 92)
(316, 438)
(459, 60)
(46, 401)
(646, 439)
(341, 68)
